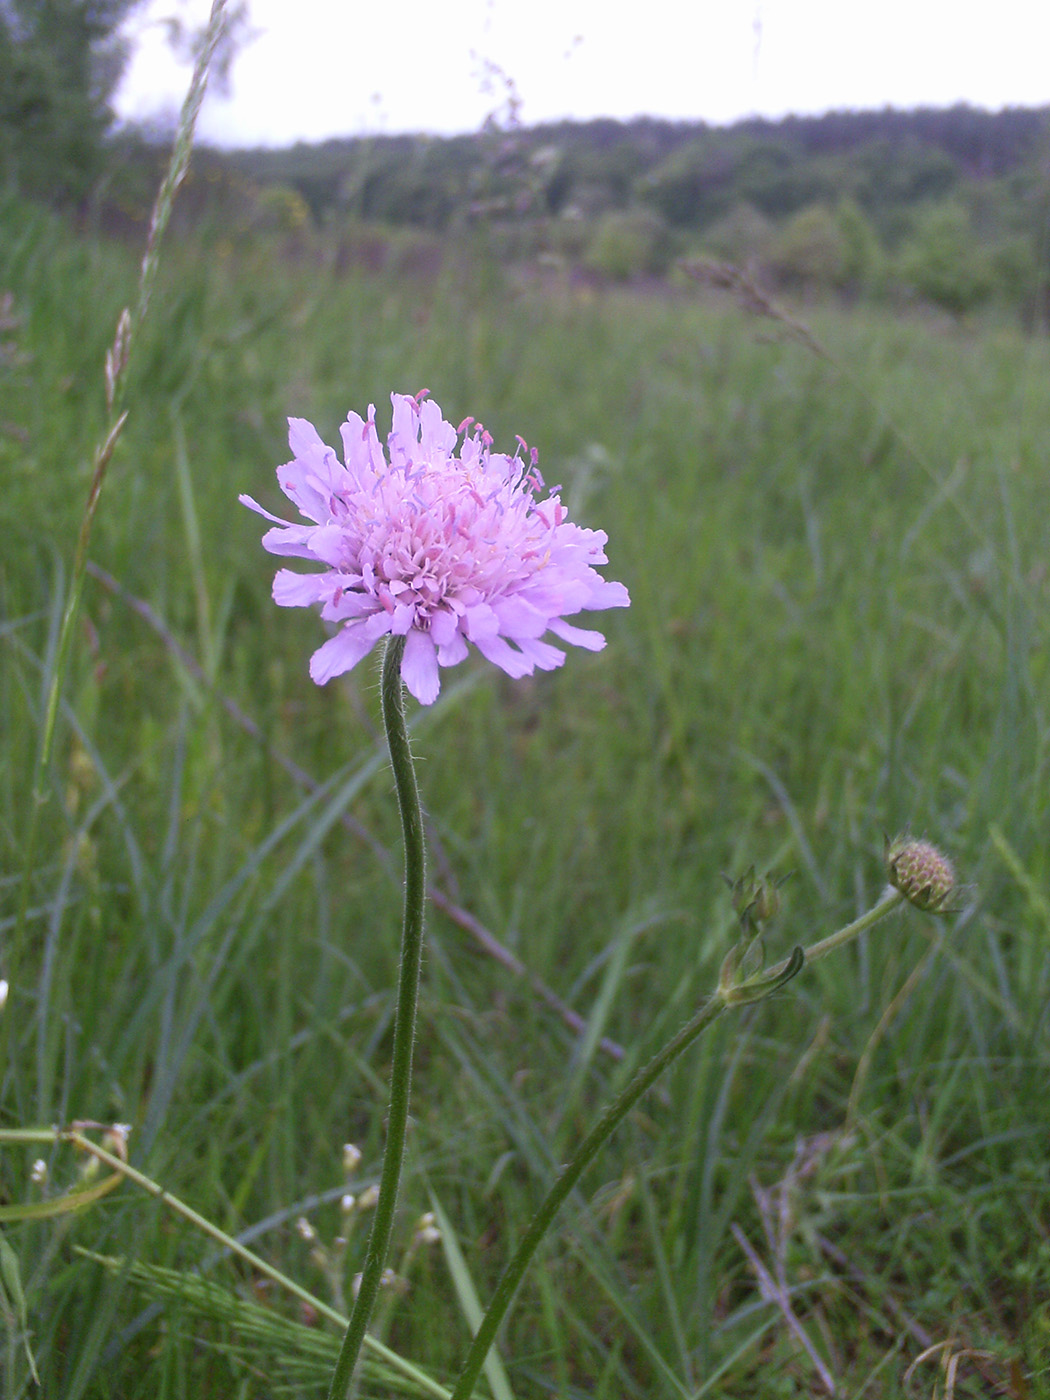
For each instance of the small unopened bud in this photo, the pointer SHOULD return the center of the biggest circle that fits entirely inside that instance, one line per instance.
(89, 1169)
(766, 903)
(305, 1229)
(756, 898)
(3, 992)
(368, 1198)
(38, 1175)
(351, 1158)
(922, 874)
(347, 1203)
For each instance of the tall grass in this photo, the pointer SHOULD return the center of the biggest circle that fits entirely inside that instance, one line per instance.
(839, 584)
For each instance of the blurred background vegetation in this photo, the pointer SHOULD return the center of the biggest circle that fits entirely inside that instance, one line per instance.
(943, 208)
(947, 207)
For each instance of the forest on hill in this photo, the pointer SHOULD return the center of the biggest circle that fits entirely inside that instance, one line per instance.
(949, 207)
(690, 174)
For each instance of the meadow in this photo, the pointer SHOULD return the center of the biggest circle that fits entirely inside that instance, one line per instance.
(836, 546)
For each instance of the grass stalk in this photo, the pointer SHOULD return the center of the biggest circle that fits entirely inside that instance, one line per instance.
(77, 1138)
(116, 372)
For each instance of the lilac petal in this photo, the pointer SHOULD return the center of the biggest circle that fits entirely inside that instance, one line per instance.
(437, 437)
(557, 595)
(328, 543)
(578, 636)
(519, 618)
(295, 540)
(361, 447)
(403, 617)
(419, 667)
(314, 475)
(541, 654)
(480, 621)
(496, 650)
(443, 627)
(404, 430)
(343, 651)
(253, 504)
(607, 594)
(344, 603)
(451, 653)
(303, 437)
(292, 590)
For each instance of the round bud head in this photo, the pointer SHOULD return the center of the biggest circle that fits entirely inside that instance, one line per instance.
(922, 874)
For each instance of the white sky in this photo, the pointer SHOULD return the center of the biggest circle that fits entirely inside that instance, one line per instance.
(320, 68)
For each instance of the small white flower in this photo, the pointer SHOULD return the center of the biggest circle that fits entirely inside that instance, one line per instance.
(427, 1231)
(115, 1139)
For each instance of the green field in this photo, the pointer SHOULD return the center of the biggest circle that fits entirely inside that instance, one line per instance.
(837, 557)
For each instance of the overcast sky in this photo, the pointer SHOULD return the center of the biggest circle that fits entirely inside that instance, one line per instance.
(319, 68)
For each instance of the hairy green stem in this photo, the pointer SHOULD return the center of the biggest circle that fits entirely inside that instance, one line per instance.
(889, 900)
(556, 1196)
(404, 1021)
(610, 1121)
(75, 1136)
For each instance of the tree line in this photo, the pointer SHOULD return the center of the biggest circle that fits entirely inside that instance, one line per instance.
(951, 205)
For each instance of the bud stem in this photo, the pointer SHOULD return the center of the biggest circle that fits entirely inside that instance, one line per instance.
(887, 902)
(541, 1222)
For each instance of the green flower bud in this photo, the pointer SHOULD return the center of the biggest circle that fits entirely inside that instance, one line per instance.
(756, 899)
(922, 874)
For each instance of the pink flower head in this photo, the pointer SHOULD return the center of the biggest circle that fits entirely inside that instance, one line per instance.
(438, 546)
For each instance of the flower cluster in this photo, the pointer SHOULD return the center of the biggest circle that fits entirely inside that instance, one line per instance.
(438, 546)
